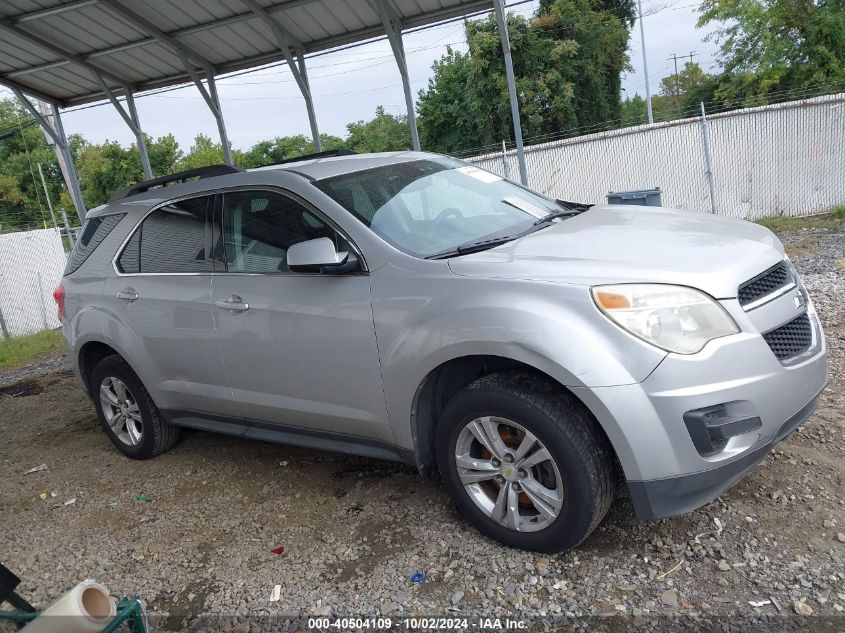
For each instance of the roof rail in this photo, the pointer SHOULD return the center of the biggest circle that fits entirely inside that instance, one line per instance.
(181, 176)
(329, 153)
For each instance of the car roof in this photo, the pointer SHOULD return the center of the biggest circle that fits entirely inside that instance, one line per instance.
(310, 168)
(319, 168)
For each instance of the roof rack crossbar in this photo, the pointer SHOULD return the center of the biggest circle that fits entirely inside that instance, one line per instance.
(209, 171)
(329, 153)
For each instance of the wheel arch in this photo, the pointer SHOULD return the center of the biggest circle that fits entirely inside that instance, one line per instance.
(447, 379)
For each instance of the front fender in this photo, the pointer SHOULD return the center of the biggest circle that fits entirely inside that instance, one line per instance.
(423, 322)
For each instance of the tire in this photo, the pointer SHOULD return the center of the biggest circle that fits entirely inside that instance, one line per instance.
(138, 432)
(580, 463)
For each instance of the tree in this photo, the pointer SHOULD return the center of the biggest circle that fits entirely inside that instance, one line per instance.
(385, 132)
(683, 92)
(284, 147)
(568, 62)
(203, 152)
(772, 46)
(23, 147)
(164, 154)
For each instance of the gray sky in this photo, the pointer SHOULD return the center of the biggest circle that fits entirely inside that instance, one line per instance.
(348, 85)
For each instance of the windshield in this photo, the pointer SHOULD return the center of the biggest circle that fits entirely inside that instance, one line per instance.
(433, 206)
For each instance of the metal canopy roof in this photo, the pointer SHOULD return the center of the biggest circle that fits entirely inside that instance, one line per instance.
(61, 50)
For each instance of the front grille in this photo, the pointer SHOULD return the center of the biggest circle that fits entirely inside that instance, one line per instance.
(764, 284)
(791, 339)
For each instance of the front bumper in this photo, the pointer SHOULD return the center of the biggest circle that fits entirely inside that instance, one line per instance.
(661, 498)
(667, 473)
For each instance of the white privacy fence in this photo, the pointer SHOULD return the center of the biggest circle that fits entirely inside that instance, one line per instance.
(784, 159)
(31, 265)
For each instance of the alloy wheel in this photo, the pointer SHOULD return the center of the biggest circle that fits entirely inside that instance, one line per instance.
(509, 474)
(121, 411)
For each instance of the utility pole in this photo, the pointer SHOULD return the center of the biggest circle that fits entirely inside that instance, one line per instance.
(677, 75)
(677, 91)
(47, 195)
(645, 64)
(70, 238)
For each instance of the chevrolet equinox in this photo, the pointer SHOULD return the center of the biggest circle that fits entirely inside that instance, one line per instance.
(537, 353)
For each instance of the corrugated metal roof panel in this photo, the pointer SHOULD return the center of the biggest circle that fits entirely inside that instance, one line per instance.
(221, 32)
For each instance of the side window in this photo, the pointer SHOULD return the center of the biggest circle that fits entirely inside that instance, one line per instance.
(92, 234)
(260, 226)
(130, 258)
(171, 239)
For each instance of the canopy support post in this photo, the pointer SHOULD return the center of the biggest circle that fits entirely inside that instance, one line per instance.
(393, 29)
(131, 119)
(56, 132)
(213, 101)
(139, 135)
(305, 88)
(285, 41)
(502, 21)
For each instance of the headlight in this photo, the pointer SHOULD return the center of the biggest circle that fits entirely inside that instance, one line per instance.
(674, 318)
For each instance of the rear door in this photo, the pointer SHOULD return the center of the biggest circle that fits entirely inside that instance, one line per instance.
(160, 297)
(300, 349)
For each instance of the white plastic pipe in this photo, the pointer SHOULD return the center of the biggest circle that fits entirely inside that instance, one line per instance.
(87, 608)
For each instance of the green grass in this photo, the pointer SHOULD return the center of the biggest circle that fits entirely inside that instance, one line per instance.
(833, 221)
(21, 350)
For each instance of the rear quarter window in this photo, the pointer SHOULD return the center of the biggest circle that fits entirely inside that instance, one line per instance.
(93, 232)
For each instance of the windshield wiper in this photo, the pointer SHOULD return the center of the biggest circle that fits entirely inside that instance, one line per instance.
(570, 209)
(554, 216)
(474, 247)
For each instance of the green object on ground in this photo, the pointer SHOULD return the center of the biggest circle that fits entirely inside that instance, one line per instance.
(142, 498)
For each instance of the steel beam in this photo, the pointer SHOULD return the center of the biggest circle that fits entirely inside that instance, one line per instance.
(185, 54)
(393, 29)
(71, 178)
(321, 45)
(221, 124)
(165, 38)
(11, 27)
(44, 13)
(285, 41)
(141, 141)
(17, 87)
(309, 104)
(56, 132)
(132, 121)
(502, 21)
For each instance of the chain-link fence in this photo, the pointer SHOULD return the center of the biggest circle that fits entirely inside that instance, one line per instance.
(31, 265)
(784, 159)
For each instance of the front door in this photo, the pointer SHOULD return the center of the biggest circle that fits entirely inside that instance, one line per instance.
(299, 349)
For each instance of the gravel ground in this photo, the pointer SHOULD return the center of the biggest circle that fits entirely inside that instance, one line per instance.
(199, 540)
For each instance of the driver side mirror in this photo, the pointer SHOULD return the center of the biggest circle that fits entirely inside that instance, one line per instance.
(320, 256)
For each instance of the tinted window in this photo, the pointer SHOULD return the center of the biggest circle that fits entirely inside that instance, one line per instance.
(130, 259)
(171, 239)
(260, 226)
(94, 231)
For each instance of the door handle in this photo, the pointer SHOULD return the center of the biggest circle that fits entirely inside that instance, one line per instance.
(233, 304)
(127, 294)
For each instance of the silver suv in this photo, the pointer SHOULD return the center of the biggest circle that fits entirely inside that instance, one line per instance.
(409, 306)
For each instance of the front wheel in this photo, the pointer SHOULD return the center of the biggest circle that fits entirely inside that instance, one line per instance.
(525, 462)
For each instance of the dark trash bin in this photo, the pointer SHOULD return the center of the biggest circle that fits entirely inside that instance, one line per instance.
(645, 197)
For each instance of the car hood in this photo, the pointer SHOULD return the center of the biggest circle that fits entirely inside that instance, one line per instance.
(622, 243)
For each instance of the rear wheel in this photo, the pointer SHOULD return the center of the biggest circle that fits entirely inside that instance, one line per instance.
(525, 462)
(127, 412)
